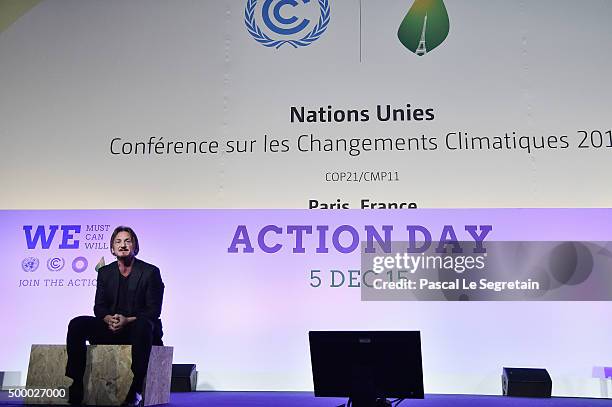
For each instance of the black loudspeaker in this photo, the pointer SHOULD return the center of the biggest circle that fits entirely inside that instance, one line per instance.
(184, 378)
(523, 382)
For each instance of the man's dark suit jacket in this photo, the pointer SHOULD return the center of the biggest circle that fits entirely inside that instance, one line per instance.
(145, 293)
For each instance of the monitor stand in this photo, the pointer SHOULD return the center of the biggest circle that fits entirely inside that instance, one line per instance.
(368, 402)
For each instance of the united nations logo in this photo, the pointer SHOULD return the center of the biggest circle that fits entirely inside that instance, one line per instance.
(30, 264)
(295, 22)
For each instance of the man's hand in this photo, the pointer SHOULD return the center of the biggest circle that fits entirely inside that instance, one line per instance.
(119, 322)
(110, 321)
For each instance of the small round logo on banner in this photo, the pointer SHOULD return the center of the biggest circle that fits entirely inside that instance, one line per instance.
(79, 264)
(55, 263)
(30, 264)
(274, 23)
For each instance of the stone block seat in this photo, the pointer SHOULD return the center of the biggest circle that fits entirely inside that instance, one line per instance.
(107, 374)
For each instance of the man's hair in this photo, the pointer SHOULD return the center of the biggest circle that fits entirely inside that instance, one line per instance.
(132, 235)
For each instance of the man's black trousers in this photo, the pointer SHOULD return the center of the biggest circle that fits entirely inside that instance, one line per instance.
(138, 333)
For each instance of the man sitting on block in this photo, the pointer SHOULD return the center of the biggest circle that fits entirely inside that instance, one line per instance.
(127, 307)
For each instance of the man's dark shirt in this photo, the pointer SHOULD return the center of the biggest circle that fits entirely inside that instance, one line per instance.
(123, 301)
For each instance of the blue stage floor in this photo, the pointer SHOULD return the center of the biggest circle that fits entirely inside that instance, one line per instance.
(305, 399)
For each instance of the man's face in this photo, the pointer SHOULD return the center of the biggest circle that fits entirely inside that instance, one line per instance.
(123, 245)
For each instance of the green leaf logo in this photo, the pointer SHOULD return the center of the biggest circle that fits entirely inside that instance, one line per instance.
(100, 264)
(425, 26)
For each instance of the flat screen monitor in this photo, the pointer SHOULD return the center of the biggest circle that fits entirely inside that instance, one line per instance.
(366, 365)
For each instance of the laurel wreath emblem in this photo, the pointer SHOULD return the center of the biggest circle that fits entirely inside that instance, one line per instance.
(264, 39)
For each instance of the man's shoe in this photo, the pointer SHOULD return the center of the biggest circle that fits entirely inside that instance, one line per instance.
(75, 394)
(133, 399)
